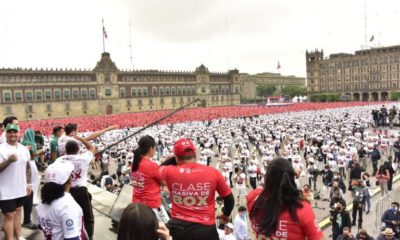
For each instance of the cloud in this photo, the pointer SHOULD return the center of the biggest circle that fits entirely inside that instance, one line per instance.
(251, 35)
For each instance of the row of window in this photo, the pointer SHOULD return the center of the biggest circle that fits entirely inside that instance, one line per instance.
(67, 107)
(158, 79)
(45, 95)
(222, 89)
(293, 80)
(155, 91)
(371, 77)
(362, 62)
(357, 87)
(359, 70)
(174, 78)
(162, 101)
(45, 79)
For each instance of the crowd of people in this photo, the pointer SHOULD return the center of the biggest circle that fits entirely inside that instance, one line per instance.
(137, 119)
(266, 169)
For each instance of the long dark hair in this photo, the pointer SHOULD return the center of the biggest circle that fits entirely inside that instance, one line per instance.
(51, 191)
(280, 193)
(382, 170)
(145, 143)
(138, 222)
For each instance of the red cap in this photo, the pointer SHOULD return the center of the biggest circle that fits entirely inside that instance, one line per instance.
(184, 147)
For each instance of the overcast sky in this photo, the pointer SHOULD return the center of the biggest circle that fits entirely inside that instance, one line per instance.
(250, 35)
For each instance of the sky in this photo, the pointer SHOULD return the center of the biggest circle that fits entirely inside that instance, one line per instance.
(249, 35)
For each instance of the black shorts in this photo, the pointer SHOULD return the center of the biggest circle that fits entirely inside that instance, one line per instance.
(180, 230)
(11, 205)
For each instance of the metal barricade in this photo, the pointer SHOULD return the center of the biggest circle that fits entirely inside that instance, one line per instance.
(384, 203)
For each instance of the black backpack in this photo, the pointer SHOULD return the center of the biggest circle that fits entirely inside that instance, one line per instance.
(108, 181)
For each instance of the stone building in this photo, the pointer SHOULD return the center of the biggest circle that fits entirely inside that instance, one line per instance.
(44, 93)
(250, 82)
(366, 75)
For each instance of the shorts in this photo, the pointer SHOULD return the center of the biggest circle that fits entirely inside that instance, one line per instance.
(11, 205)
(242, 191)
(180, 230)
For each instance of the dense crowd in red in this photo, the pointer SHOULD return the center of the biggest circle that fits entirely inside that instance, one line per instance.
(93, 123)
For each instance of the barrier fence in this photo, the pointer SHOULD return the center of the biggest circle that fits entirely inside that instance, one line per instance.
(384, 203)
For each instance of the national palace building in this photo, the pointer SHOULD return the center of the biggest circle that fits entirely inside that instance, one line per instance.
(367, 75)
(53, 93)
(39, 94)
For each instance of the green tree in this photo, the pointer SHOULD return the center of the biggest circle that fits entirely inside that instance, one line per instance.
(265, 90)
(395, 96)
(325, 97)
(292, 91)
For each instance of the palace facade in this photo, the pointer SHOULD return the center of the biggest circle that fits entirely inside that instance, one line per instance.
(366, 75)
(53, 93)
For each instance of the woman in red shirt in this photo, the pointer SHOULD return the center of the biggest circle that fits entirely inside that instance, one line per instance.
(383, 177)
(278, 211)
(145, 175)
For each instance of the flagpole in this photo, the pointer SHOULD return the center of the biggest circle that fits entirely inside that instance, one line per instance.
(102, 31)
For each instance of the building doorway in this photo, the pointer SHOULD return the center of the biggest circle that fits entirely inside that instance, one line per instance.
(384, 96)
(356, 97)
(375, 96)
(109, 109)
(365, 97)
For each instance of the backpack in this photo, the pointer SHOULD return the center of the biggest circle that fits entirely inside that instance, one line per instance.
(108, 181)
(375, 155)
(358, 196)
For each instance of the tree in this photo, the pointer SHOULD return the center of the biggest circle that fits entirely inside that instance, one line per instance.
(395, 96)
(292, 91)
(325, 97)
(265, 90)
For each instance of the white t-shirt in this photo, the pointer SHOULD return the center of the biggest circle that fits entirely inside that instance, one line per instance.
(13, 178)
(341, 161)
(81, 164)
(35, 178)
(3, 138)
(298, 166)
(225, 174)
(61, 219)
(252, 170)
(228, 165)
(104, 158)
(228, 237)
(240, 181)
(62, 141)
(203, 160)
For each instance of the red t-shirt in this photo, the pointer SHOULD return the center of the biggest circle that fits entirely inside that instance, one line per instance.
(288, 229)
(146, 184)
(192, 189)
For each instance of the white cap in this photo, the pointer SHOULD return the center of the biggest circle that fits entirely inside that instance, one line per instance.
(59, 172)
(229, 225)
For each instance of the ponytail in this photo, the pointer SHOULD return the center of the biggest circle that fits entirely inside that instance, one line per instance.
(137, 157)
(145, 143)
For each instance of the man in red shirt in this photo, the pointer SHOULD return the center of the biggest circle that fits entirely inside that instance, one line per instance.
(192, 190)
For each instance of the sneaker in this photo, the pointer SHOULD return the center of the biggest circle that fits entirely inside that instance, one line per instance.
(367, 212)
(21, 238)
(30, 226)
